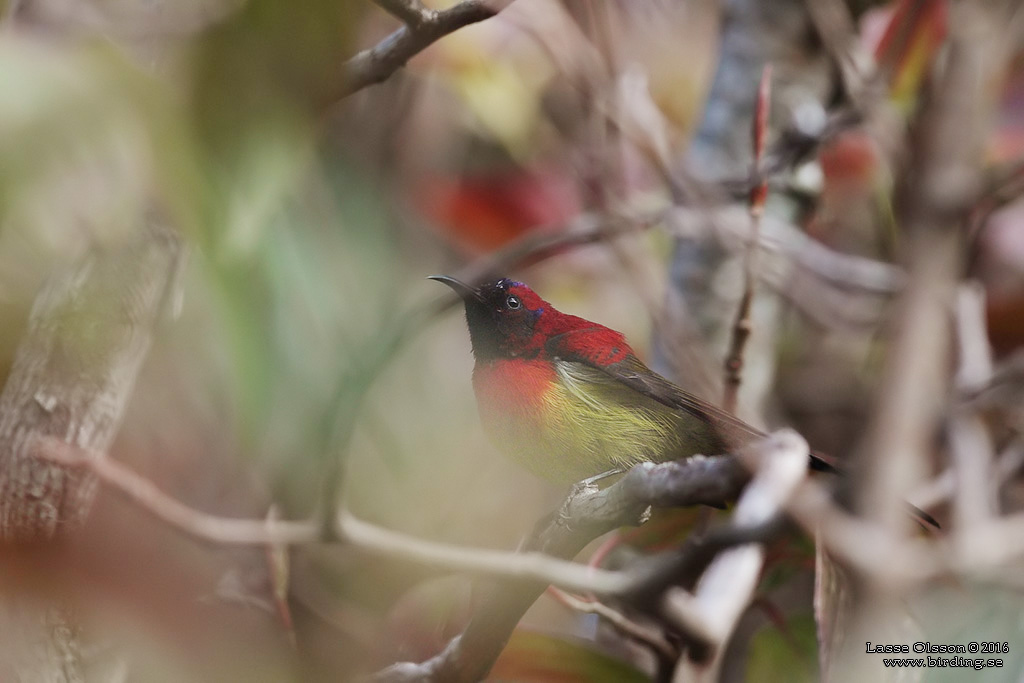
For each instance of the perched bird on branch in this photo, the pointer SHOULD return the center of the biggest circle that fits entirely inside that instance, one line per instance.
(568, 398)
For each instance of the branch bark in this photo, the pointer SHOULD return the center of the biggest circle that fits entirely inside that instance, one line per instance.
(695, 481)
(422, 28)
(73, 373)
(470, 656)
(88, 334)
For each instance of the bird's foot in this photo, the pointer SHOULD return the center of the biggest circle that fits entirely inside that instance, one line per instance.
(592, 481)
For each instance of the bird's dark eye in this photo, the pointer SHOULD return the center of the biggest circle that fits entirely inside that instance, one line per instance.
(513, 302)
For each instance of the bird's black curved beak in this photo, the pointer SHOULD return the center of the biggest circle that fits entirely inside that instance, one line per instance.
(460, 287)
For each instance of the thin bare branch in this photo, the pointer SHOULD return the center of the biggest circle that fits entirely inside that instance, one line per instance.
(146, 495)
(648, 635)
(423, 27)
(743, 325)
(700, 480)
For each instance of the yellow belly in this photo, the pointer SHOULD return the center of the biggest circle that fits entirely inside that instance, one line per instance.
(576, 421)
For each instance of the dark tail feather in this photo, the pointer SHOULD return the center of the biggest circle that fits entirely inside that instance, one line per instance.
(922, 517)
(826, 463)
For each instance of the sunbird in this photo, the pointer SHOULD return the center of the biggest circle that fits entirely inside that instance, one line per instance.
(569, 399)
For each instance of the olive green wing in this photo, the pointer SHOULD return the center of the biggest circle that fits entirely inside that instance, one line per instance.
(607, 352)
(632, 372)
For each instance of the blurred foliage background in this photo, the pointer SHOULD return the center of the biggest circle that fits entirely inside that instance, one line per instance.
(311, 223)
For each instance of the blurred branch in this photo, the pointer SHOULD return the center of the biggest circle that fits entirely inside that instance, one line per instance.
(146, 495)
(423, 27)
(1003, 185)
(587, 513)
(692, 482)
(710, 613)
(939, 190)
(946, 156)
(536, 246)
(889, 558)
(837, 29)
(469, 657)
(684, 565)
(648, 635)
(943, 487)
(971, 448)
(829, 286)
(833, 288)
